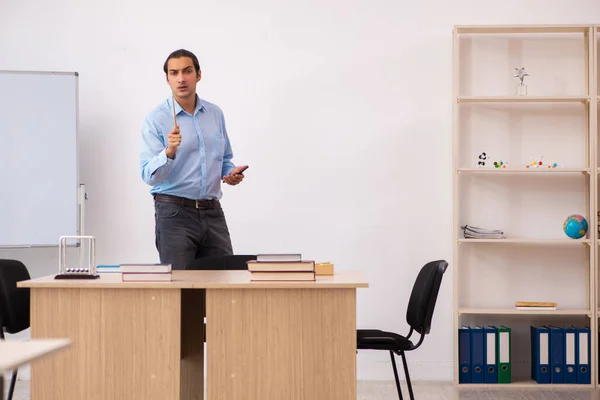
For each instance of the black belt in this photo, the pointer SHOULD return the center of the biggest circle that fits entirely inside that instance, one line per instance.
(182, 201)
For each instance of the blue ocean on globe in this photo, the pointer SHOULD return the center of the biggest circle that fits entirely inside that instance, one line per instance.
(575, 226)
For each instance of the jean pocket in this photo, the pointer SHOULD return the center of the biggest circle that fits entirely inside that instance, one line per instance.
(165, 210)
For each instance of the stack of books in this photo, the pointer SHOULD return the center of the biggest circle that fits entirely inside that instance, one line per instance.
(281, 267)
(145, 272)
(473, 232)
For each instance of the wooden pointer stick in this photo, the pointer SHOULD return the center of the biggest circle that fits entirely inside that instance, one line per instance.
(174, 115)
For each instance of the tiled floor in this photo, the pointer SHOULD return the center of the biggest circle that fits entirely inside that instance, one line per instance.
(384, 390)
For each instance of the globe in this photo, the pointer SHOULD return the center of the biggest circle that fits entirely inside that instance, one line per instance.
(575, 226)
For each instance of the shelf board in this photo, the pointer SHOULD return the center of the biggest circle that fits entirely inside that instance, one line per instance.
(565, 241)
(527, 170)
(522, 99)
(523, 383)
(512, 311)
(499, 29)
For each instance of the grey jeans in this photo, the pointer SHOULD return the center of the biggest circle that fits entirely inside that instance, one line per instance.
(185, 233)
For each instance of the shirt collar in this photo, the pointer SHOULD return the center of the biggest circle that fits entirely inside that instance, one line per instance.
(178, 108)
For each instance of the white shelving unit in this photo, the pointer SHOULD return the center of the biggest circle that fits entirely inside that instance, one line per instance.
(557, 119)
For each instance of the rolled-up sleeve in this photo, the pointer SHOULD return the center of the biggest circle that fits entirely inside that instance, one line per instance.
(228, 165)
(154, 163)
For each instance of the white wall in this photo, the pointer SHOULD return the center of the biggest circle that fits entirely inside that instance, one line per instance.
(342, 109)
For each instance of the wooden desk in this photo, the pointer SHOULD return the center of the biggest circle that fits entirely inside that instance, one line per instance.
(143, 340)
(15, 353)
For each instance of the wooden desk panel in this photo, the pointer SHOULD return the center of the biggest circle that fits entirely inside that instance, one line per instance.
(281, 344)
(127, 344)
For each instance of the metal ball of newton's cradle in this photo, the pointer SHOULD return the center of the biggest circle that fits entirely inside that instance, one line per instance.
(78, 270)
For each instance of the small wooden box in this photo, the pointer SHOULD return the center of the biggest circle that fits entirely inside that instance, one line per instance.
(325, 268)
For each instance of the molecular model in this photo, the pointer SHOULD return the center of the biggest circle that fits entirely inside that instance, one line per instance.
(540, 164)
(481, 159)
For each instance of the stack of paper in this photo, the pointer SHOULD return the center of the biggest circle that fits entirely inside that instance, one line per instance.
(473, 232)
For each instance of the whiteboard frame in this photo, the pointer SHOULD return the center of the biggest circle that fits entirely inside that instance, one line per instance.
(81, 193)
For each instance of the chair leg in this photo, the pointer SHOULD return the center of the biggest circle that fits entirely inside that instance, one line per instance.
(396, 375)
(410, 391)
(11, 388)
(13, 379)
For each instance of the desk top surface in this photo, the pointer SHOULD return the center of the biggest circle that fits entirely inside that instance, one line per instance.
(203, 280)
(14, 353)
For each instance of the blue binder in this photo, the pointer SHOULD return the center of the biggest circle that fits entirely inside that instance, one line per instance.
(534, 357)
(477, 355)
(464, 354)
(583, 356)
(557, 354)
(540, 357)
(571, 349)
(490, 354)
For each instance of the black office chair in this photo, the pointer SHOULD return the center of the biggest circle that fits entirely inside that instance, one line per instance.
(14, 304)
(233, 262)
(418, 315)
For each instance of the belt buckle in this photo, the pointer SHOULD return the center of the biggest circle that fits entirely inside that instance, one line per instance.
(197, 203)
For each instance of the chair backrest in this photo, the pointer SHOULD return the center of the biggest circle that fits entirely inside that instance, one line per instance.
(424, 296)
(233, 262)
(14, 301)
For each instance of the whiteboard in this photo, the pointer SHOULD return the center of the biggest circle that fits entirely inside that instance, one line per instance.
(39, 170)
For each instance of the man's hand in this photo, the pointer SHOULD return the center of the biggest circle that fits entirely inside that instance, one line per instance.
(234, 176)
(174, 142)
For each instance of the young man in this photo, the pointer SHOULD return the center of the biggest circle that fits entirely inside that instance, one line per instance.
(185, 154)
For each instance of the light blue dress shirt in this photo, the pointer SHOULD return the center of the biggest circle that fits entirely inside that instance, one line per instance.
(202, 159)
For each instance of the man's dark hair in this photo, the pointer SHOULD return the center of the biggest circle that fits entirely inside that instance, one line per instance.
(182, 53)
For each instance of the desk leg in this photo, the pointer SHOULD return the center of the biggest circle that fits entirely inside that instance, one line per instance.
(281, 344)
(126, 343)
